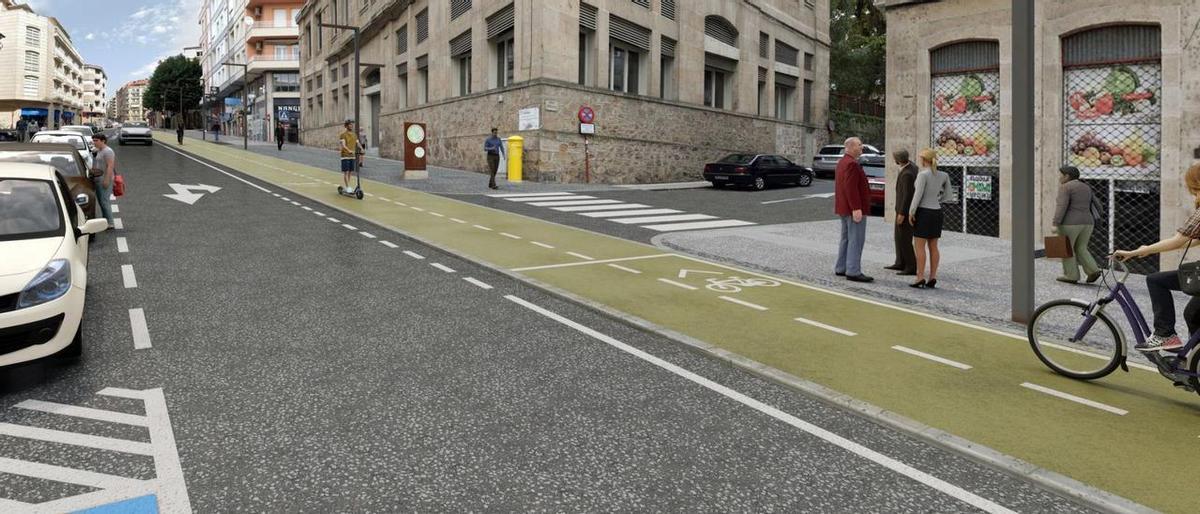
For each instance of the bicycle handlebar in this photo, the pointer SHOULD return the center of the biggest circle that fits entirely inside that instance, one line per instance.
(1119, 266)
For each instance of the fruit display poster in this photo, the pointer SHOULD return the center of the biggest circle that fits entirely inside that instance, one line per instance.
(1113, 120)
(966, 118)
(978, 187)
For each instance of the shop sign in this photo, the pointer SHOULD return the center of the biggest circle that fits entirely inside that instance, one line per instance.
(978, 187)
(529, 119)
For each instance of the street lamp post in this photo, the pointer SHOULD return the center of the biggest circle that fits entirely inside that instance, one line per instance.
(245, 113)
(357, 92)
(1022, 160)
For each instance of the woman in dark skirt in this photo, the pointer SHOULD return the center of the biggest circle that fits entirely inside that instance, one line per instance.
(931, 191)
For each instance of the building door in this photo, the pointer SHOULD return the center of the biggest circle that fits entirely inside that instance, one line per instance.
(373, 104)
(1112, 86)
(965, 132)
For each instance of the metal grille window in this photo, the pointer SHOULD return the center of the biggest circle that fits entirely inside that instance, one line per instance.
(785, 54)
(629, 32)
(720, 29)
(808, 61)
(1112, 79)
(458, 8)
(33, 61)
(587, 16)
(402, 40)
(965, 123)
(764, 45)
(500, 22)
(33, 36)
(667, 8)
(422, 26)
(643, 3)
(668, 46)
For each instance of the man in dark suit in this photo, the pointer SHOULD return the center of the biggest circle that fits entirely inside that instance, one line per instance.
(906, 258)
(851, 196)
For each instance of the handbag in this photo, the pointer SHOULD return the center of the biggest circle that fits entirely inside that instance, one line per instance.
(1189, 274)
(1058, 247)
(118, 185)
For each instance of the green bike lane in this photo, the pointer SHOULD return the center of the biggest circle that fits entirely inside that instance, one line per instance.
(978, 384)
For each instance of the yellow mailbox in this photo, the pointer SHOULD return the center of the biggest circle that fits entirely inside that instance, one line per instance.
(516, 154)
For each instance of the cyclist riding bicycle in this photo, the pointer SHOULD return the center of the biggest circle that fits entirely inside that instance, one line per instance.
(1162, 283)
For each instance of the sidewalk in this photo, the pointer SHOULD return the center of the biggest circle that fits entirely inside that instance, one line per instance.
(441, 180)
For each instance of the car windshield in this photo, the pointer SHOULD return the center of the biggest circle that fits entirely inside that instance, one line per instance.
(87, 131)
(73, 140)
(29, 209)
(737, 158)
(830, 150)
(135, 124)
(64, 162)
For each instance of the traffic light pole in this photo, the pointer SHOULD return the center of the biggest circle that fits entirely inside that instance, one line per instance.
(357, 92)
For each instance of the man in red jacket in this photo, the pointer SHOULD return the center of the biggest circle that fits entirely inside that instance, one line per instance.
(850, 198)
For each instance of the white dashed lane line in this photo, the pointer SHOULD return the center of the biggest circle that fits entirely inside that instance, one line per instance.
(284, 198)
(543, 245)
(743, 303)
(581, 256)
(438, 214)
(389, 244)
(481, 227)
(510, 236)
(127, 276)
(413, 254)
(443, 267)
(477, 282)
(137, 327)
(349, 226)
(456, 220)
(122, 245)
(319, 213)
(677, 284)
(114, 208)
(418, 209)
(295, 203)
(1077, 399)
(367, 235)
(830, 328)
(932, 357)
(305, 207)
(625, 269)
(118, 224)
(277, 195)
(334, 220)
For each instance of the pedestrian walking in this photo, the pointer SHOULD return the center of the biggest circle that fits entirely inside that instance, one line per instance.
(279, 134)
(1162, 283)
(33, 128)
(103, 172)
(22, 130)
(906, 257)
(349, 147)
(179, 129)
(1073, 219)
(851, 198)
(493, 147)
(216, 128)
(930, 191)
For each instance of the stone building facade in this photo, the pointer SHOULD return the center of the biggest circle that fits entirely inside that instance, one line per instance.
(1118, 95)
(673, 85)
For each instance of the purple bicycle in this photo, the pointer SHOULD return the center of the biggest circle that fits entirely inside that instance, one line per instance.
(1078, 339)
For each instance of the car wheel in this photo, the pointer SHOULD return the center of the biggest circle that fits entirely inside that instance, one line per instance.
(75, 349)
(805, 180)
(760, 183)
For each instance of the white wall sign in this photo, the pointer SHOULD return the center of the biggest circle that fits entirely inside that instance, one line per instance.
(529, 119)
(587, 128)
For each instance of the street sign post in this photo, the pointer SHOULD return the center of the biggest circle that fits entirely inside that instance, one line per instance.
(587, 127)
(416, 151)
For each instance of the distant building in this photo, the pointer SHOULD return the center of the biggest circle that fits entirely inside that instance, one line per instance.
(129, 101)
(672, 84)
(193, 52)
(41, 72)
(1116, 97)
(95, 84)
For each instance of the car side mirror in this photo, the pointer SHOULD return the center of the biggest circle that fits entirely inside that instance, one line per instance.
(94, 226)
(81, 200)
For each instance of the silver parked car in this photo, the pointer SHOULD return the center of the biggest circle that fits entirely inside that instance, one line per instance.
(825, 162)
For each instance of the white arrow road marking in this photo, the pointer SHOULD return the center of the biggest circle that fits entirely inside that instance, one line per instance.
(683, 273)
(183, 192)
(805, 197)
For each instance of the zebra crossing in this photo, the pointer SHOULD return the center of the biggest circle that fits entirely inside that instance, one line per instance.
(617, 211)
(110, 433)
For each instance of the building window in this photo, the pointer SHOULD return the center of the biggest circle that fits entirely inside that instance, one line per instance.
(346, 70)
(320, 80)
(458, 8)
(320, 33)
(31, 86)
(667, 8)
(33, 36)
(808, 102)
(308, 39)
(332, 73)
(808, 61)
(280, 18)
(462, 65)
(785, 54)
(626, 66)
(720, 29)
(503, 58)
(785, 101)
(714, 88)
(33, 61)
(666, 84)
(422, 25)
(287, 82)
(402, 86)
(334, 7)
(423, 79)
(585, 59)
(402, 40)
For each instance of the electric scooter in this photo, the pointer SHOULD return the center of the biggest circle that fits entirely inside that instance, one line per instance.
(357, 192)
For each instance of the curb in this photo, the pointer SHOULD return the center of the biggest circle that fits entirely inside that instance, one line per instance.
(1069, 488)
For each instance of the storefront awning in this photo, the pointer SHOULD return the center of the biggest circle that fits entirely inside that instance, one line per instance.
(34, 111)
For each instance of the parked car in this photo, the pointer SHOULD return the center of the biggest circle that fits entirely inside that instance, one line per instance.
(756, 170)
(82, 144)
(825, 162)
(8, 136)
(65, 158)
(877, 183)
(43, 277)
(135, 132)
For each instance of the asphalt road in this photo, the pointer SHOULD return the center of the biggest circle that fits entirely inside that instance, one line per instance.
(291, 362)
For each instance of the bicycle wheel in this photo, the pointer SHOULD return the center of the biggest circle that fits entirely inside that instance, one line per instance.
(1095, 355)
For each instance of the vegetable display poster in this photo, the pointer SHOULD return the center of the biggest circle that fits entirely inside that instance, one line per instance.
(1113, 120)
(966, 118)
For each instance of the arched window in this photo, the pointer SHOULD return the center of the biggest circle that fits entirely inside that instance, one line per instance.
(33, 61)
(720, 29)
(965, 131)
(1112, 129)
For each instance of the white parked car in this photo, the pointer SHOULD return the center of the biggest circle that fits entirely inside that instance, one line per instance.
(43, 275)
(135, 132)
(81, 144)
(84, 130)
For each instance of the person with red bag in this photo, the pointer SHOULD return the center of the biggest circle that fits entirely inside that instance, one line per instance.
(103, 173)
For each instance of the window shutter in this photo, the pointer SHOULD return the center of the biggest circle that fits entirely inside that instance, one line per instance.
(668, 9)
(458, 8)
(422, 25)
(966, 56)
(668, 46)
(643, 3)
(785, 80)
(762, 74)
(500, 22)
(422, 62)
(720, 29)
(587, 16)
(402, 40)
(720, 63)
(764, 45)
(1105, 45)
(785, 54)
(402, 69)
(629, 32)
(461, 44)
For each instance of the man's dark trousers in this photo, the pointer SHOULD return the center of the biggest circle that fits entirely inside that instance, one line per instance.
(906, 257)
(493, 160)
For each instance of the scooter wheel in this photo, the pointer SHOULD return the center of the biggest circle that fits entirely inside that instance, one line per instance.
(358, 194)
(339, 190)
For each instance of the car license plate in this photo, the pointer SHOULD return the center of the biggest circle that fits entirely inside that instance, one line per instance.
(877, 187)
(720, 177)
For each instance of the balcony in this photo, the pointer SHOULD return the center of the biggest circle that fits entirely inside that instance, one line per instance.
(264, 30)
(282, 62)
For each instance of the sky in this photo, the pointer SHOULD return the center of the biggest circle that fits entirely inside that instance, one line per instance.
(126, 37)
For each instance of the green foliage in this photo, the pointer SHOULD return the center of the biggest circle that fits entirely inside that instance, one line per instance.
(857, 60)
(173, 73)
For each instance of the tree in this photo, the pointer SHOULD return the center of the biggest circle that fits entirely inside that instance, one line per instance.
(172, 74)
(857, 57)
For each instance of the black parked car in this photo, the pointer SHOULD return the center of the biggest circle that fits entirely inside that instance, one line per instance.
(756, 170)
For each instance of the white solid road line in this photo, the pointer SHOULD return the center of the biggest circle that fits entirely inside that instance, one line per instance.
(137, 326)
(127, 276)
(114, 208)
(634, 212)
(235, 177)
(543, 245)
(481, 227)
(585, 263)
(743, 303)
(72, 438)
(118, 224)
(477, 282)
(518, 195)
(581, 256)
(389, 244)
(677, 284)
(122, 245)
(442, 267)
(569, 203)
(76, 411)
(697, 225)
(413, 254)
(349, 226)
(510, 236)
(910, 472)
(623, 268)
(1076, 399)
(664, 219)
(65, 475)
(605, 207)
(830, 328)
(934, 358)
(548, 198)
(367, 235)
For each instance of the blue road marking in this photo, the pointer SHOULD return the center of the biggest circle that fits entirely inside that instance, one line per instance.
(141, 505)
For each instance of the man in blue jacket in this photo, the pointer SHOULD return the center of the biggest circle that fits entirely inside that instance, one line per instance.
(493, 147)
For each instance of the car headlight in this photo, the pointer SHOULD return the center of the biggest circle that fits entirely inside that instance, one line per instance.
(49, 284)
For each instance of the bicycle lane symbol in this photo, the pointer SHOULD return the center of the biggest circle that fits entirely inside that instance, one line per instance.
(731, 283)
(166, 492)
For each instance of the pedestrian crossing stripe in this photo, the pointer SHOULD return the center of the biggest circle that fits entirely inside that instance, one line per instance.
(617, 211)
